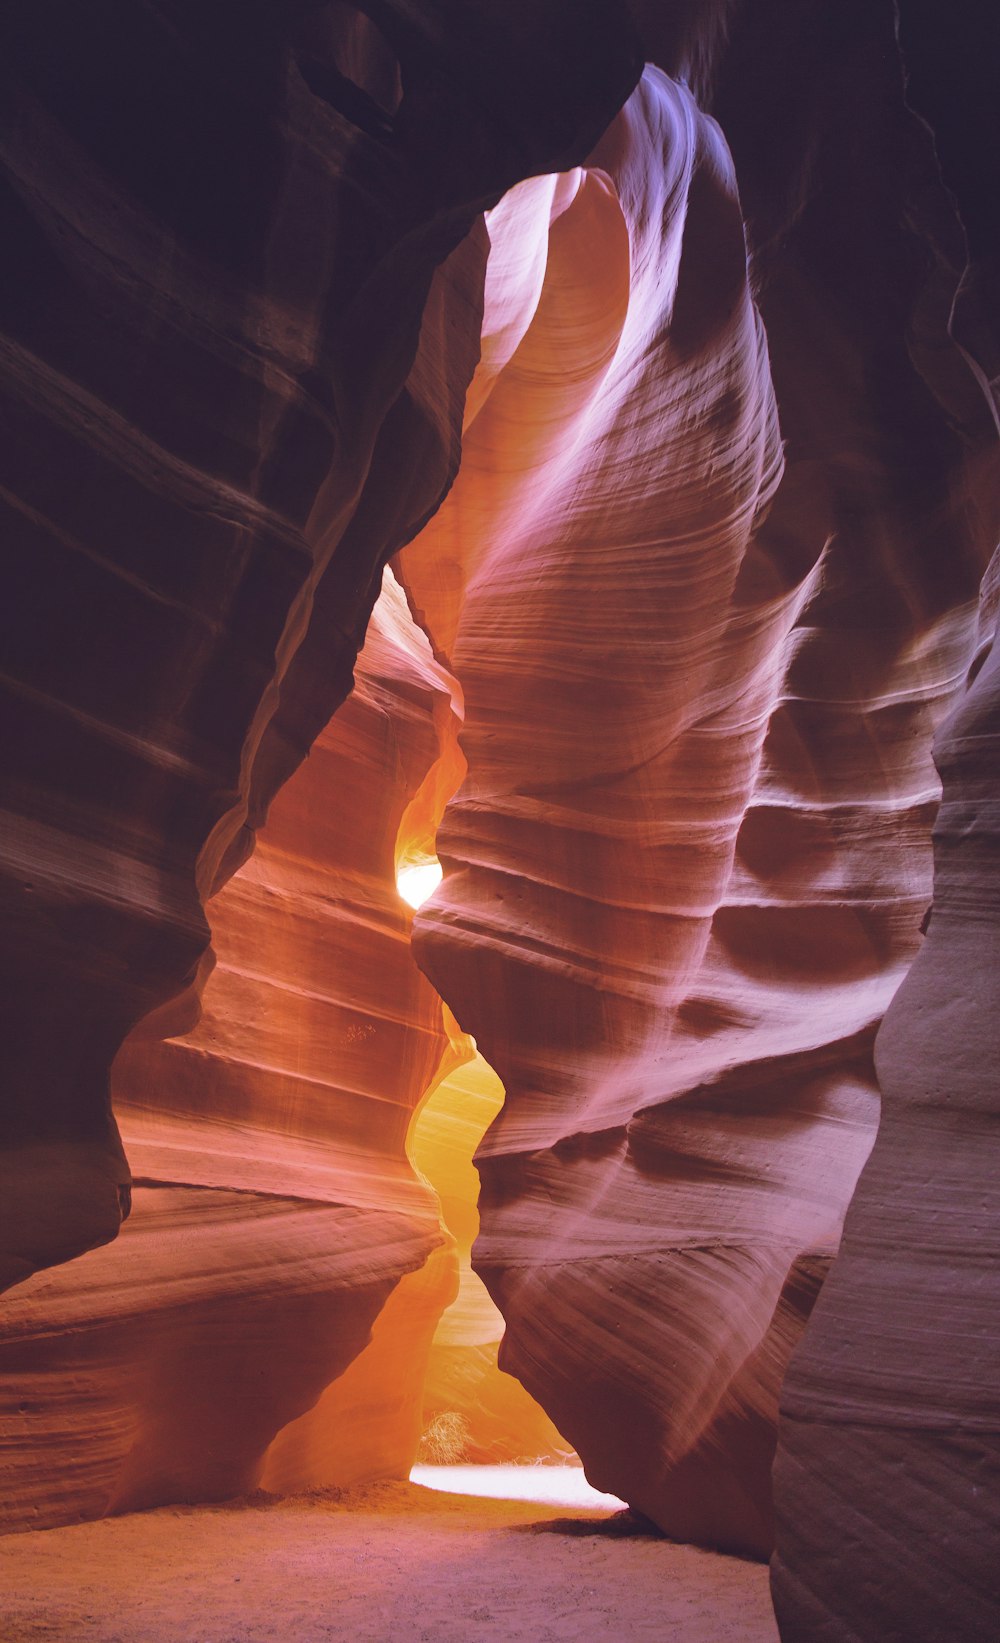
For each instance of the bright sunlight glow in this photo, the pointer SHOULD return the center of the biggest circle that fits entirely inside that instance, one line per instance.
(547, 1485)
(415, 883)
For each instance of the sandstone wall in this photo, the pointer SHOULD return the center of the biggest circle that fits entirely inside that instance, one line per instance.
(228, 397)
(708, 583)
(276, 1216)
(887, 1477)
(703, 665)
(885, 1483)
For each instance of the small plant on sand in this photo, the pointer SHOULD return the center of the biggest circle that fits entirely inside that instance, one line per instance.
(445, 1441)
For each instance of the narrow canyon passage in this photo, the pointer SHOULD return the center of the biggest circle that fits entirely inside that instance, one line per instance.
(499, 839)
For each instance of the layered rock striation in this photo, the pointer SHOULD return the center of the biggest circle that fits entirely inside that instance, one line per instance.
(704, 591)
(702, 668)
(276, 1216)
(887, 1476)
(233, 383)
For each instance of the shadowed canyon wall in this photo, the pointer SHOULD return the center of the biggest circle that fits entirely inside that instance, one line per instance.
(887, 1481)
(241, 309)
(228, 398)
(698, 602)
(888, 1478)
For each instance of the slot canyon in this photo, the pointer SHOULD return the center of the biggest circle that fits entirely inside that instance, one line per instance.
(500, 825)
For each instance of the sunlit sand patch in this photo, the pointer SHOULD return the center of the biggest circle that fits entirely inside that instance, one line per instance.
(548, 1485)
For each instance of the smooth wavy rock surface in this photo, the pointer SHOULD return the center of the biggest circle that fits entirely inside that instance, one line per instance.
(890, 1417)
(276, 1216)
(878, 297)
(230, 392)
(686, 871)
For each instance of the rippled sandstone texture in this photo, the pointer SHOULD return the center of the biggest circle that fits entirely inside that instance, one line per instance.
(241, 308)
(276, 1218)
(709, 599)
(886, 1481)
(702, 674)
(890, 1413)
(233, 373)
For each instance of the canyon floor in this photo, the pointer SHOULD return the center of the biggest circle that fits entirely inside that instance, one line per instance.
(394, 1561)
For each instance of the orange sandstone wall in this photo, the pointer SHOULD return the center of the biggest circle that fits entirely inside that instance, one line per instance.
(275, 1212)
(241, 311)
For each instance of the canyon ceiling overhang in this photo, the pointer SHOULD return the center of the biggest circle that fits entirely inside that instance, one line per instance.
(685, 456)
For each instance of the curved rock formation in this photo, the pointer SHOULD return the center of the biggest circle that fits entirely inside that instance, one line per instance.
(228, 398)
(886, 1480)
(276, 1216)
(707, 580)
(573, 918)
(888, 1477)
(686, 872)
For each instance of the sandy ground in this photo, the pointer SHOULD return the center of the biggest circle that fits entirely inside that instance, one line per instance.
(393, 1563)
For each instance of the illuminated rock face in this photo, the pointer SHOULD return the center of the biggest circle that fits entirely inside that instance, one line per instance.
(276, 1216)
(595, 832)
(473, 1412)
(686, 872)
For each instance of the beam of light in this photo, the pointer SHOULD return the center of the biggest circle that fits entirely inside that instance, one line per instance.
(545, 1485)
(418, 880)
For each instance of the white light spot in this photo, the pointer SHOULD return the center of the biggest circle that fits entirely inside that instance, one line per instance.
(546, 1485)
(417, 881)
